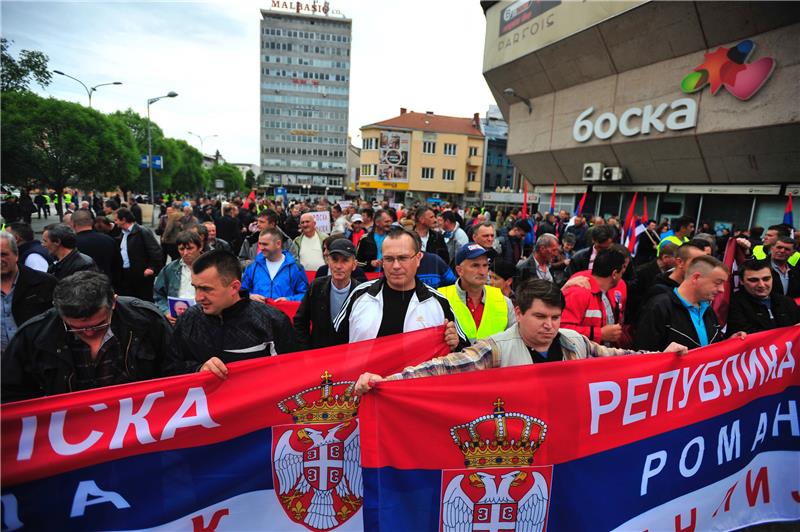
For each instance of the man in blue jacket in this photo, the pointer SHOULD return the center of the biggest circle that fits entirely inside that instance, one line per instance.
(274, 274)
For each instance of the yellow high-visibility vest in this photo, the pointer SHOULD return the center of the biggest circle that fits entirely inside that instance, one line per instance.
(495, 312)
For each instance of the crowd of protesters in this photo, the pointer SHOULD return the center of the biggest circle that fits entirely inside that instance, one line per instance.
(90, 304)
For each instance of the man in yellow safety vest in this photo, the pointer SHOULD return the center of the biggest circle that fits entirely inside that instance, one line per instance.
(774, 232)
(481, 309)
(682, 228)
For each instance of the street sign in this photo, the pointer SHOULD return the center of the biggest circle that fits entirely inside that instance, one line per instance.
(219, 183)
(158, 162)
(143, 161)
(280, 192)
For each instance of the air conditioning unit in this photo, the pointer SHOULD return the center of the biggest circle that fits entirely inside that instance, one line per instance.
(592, 171)
(612, 173)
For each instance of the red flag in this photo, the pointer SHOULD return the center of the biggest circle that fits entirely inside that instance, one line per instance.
(250, 197)
(628, 218)
(722, 301)
(553, 199)
(525, 200)
(645, 218)
(788, 216)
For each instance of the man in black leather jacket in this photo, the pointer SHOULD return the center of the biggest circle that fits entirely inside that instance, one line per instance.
(754, 307)
(91, 339)
(61, 242)
(224, 326)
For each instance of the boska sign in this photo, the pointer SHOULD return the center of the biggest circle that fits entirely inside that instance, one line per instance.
(637, 121)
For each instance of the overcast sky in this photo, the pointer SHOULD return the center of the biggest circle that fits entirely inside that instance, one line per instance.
(425, 55)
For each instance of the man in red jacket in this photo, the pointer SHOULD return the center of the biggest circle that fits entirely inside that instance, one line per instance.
(596, 312)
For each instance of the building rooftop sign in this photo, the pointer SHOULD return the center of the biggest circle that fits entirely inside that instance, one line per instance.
(516, 29)
(305, 8)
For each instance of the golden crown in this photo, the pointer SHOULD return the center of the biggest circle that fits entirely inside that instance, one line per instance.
(330, 402)
(513, 444)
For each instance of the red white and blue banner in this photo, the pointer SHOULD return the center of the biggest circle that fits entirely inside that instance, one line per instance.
(705, 441)
(273, 447)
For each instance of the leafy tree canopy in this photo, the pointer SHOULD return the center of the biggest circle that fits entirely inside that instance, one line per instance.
(234, 182)
(17, 74)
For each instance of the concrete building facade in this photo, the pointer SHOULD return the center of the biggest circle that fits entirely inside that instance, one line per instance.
(305, 87)
(692, 104)
(422, 156)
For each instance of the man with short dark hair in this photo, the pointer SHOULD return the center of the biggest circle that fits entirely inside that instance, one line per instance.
(682, 229)
(91, 339)
(432, 241)
(535, 338)
(512, 243)
(60, 242)
(100, 247)
(595, 312)
(786, 279)
(325, 297)
(454, 235)
(25, 292)
(250, 249)
(397, 302)
(141, 255)
(274, 274)
(484, 235)
(755, 306)
(175, 279)
(229, 228)
(370, 246)
(685, 315)
(223, 326)
(602, 238)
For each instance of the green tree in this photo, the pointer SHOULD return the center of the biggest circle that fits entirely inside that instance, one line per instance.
(17, 74)
(59, 144)
(234, 182)
(190, 176)
(250, 179)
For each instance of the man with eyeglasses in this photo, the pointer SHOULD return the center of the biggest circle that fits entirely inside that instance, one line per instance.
(398, 302)
(90, 339)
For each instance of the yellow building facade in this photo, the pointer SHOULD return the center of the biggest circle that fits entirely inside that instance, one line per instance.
(428, 155)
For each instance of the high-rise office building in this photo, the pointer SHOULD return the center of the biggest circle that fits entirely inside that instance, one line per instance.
(305, 88)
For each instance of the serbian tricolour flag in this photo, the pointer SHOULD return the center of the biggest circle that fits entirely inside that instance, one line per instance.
(553, 199)
(273, 447)
(578, 210)
(788, 216)
(706, 441)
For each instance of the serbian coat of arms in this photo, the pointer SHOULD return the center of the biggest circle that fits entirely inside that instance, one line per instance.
(500, 489)
(316, 462)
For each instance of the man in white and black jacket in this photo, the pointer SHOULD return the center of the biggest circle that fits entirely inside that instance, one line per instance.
(397, 302)
(223, 326)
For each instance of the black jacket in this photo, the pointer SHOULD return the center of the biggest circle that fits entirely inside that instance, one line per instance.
(144, 251)
(38, 361)
(137, 213)
(367, 251)
(437, 246)
(665, 320)
(33, 294)
(794, 283)
(102, 248)
(313, 325)
(246, 330)
(747, 314)
(579, 261)
(230, 230)
(74, 262)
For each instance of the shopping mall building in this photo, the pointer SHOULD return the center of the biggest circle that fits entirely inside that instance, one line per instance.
(696, 105)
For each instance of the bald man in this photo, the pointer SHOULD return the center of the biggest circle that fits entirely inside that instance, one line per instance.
(310, 243)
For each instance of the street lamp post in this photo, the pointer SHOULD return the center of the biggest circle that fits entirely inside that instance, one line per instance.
(202, 139)
(89, 90)
(170, 94)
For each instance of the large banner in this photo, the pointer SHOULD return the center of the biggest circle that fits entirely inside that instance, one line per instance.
(394, 148)
(706, 441)
(273, 447)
